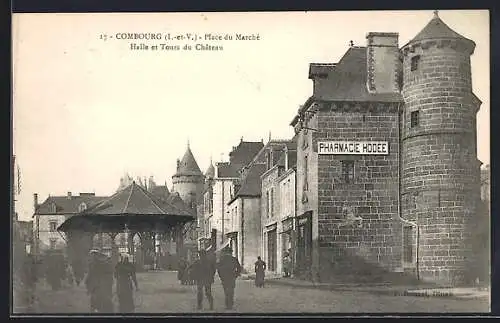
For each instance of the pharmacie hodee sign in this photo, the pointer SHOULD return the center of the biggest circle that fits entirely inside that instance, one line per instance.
(353, 148)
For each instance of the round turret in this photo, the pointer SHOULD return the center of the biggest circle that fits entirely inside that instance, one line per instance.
(440, 170)
(188, 179)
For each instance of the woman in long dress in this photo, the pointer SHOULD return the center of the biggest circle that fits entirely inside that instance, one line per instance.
(260, 268)
(125, 276)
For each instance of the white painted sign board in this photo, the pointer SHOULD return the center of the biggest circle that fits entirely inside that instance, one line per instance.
(353, 147)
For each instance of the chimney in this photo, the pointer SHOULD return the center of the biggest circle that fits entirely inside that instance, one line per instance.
(383, 64)
(35, 201)
(69, 195)
(286, 158)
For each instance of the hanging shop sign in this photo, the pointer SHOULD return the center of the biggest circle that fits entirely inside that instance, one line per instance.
(353, 147)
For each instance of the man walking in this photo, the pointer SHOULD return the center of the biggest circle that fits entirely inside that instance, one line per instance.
(228, 268)
(260, 272)
(203, 272)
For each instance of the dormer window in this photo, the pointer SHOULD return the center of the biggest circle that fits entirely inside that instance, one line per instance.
(82, 207)
(53, 208)
(414, 62)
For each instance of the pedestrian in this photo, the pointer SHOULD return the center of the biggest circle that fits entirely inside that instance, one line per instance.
(260, 268)
(203, 272)
(126, 280)
(229, 269)
(53, 267)
(287, 262)
(181, 269)
(99, 282)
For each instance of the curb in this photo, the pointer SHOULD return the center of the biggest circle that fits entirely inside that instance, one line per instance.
(374, 290)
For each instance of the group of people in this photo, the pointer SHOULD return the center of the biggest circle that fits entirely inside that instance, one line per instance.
(203, 274)
(99, 283)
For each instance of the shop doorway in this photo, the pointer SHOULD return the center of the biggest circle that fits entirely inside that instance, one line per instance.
(272, 261)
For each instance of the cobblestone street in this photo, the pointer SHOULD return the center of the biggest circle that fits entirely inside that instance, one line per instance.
(160, 292)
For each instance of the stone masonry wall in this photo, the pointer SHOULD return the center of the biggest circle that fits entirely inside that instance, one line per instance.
(440, 176)
(374, 241)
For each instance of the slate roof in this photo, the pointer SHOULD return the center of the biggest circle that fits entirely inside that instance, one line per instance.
(160, 191)
(347, 81)
(226, 170)
(437, 29)
(135, 200)
(188, 165)
(176, 200)
(251, 184)
(210, 171)
(66, 205)
(242, 154)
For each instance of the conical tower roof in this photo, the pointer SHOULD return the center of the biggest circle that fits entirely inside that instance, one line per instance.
(210, 173)
(437, 29)
(188, 165)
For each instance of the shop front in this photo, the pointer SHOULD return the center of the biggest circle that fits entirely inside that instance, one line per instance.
(303, 260)
(288, 242)
(233, 238)
(272, 250)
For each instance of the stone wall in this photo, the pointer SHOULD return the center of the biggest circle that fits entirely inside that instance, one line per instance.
(358, 222)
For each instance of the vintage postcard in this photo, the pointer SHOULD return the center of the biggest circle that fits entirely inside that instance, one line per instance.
(251, 163)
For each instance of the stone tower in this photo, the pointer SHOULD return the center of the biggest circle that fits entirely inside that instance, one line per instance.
(440, 170)
(188, 180)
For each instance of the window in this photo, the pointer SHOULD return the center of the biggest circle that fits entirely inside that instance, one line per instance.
(305, 139)
(306, 171)
(348, 171)
(414, 119)
(82, 207)
(408, 244)
(52, 226)
(53, 242)
(267, 203)
(272, 202)
(53, 208)
(414, 62)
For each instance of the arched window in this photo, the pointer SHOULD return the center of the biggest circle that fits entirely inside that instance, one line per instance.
(53, 208)
(82, 207)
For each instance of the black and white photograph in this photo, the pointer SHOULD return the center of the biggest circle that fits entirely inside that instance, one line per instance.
(238, 163)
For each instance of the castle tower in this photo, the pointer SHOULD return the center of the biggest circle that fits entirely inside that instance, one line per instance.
(440, 170)
(188, 179)
(210, 173)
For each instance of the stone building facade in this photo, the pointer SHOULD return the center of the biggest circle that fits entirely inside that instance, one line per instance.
(271, 207)
(220, 189)
(387, 173)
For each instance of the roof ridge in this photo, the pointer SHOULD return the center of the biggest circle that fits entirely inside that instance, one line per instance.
(129, 196)
(149, 197)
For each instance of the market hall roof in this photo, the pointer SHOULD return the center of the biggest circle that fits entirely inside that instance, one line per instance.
(133, 203)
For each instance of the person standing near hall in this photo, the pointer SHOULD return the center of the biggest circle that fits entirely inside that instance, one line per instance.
(99, 282)
(203, 272)
(181, 269)
(125, 276)
(260, 272)
(229, 269)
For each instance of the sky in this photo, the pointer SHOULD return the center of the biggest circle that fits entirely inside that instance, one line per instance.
(87, 110)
